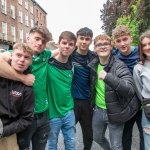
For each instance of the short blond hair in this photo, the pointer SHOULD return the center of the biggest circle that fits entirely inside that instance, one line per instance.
(120, 31)
(24, 47)
(102, 37)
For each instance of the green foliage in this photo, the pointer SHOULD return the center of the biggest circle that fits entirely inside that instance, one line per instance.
(133, 13)
(132, 21)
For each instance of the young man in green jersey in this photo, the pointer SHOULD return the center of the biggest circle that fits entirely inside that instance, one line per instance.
(38, 131)
(60, 75)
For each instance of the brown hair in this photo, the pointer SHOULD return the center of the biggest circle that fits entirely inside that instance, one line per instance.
(120, 31)
(102, 37)
(24, 47)
(146, 34)
(43, 31)
(67, 35)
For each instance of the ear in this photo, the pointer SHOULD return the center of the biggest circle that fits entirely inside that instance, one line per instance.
(91, 41)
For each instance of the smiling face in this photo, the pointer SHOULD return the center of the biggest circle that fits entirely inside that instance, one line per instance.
(123, 43)
(146, 47)
(20, 60)
(37, 42)
(103, 48)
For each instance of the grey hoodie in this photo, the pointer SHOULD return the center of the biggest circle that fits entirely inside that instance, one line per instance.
(141, 76)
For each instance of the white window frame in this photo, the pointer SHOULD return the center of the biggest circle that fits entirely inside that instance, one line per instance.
(20, 2)
(32, 23)
(20, 16)
(27, 33)
(26, 4)
(3, 6)
(21, 35)
(31, 8)
(26, 20)
(4, 30)
(13, 33)
(12, 11)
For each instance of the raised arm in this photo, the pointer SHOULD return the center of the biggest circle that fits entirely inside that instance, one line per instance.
(8, 72)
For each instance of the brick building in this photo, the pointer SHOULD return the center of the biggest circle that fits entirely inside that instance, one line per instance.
(16, 19)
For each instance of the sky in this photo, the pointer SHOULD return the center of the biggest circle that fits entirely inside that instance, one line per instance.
(71, 15)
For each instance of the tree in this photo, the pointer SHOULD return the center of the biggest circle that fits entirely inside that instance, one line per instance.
(133, 13)
(111, 11)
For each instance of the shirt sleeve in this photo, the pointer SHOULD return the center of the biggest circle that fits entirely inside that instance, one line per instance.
(137, 80)
(48, 54)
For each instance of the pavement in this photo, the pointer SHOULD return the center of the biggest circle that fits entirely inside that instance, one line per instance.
(95, 146)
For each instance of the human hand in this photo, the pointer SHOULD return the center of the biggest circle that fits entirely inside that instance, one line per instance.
(28, 79)
(102, 75)
(6, 56)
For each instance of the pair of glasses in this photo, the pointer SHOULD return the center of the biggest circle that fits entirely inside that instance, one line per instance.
(104, 45)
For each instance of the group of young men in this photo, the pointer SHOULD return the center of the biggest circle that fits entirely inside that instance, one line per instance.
(71, 84)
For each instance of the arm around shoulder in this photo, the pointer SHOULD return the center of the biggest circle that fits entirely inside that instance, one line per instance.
(6, 71)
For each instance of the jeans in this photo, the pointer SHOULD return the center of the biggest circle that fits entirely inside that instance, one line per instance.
(37, 132)
(99, 123)
(146, 125)
(127, 132)
(83, 114)
(67, 125)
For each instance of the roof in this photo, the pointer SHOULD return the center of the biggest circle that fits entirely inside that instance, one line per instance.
(35, 3)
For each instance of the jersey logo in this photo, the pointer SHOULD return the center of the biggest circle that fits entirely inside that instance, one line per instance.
(15, 93)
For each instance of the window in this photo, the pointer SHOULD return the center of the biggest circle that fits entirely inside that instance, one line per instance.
(27, 20)
(40, 16)
(20, 16)
(26, 4)
(3, 7)
(37, 13)
(32, 23)
(4, 30)
(12, 11)
(20, 2)
(44, 18)
(31, 7)
(13, 33)
(27, 32)
(21, 35)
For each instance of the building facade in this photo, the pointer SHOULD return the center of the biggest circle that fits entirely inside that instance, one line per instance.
(16, 19)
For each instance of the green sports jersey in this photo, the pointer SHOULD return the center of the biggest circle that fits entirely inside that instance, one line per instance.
(39, 69)
(59, 88)
(100, 90)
